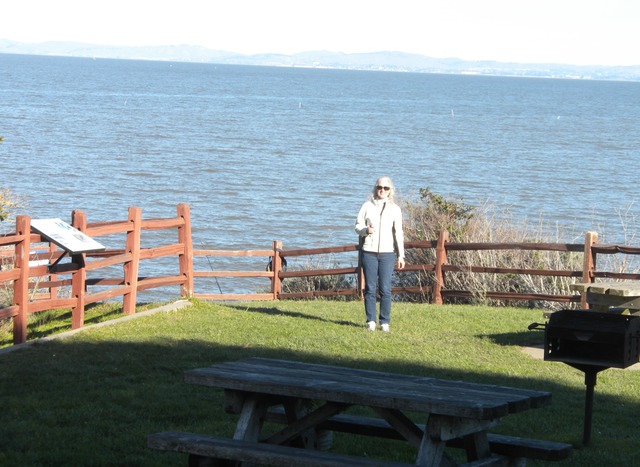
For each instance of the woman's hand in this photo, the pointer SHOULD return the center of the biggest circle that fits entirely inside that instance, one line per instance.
(401, 263)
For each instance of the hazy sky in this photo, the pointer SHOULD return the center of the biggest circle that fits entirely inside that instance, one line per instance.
(595, 32)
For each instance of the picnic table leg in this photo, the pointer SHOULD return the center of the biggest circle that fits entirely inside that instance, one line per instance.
(296, 409)
(252, 415)
(431, 449)
(248, 428)
(430, 452)
(440, 429)
(403, 425)
(477, 446)
(302, 424)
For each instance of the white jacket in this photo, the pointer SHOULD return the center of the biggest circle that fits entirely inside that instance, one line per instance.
(386, 218)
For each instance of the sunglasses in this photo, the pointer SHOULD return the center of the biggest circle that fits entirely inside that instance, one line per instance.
(385, 188)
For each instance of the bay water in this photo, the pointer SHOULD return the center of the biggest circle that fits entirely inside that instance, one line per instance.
(266, 153)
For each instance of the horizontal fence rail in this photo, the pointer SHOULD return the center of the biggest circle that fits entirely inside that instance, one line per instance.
(261, 254)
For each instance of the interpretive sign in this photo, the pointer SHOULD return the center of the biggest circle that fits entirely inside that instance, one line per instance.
(66, 236)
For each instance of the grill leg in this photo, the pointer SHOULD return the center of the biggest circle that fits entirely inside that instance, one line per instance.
(590, 377)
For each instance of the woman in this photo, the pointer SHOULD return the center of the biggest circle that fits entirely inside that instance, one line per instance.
(379, 225)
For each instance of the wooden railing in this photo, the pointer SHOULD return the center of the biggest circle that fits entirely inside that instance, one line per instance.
(272, 263)
(39, 281)
(35, 275)
(438, 290)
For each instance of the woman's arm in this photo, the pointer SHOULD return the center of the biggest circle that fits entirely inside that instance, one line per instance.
(362, 222)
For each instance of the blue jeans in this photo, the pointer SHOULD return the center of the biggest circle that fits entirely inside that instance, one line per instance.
(378, 269)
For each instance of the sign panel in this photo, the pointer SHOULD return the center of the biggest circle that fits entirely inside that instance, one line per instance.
(66, 236)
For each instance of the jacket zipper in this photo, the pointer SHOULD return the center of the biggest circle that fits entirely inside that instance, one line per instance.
(380, 226)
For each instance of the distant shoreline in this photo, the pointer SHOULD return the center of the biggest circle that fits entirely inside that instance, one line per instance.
(375, 61)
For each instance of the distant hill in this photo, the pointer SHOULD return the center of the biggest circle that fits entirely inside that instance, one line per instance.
(381, 61)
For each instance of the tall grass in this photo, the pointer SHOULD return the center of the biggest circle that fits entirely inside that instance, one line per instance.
(90, 398)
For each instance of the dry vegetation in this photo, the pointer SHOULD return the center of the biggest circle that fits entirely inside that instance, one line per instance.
(485, 224)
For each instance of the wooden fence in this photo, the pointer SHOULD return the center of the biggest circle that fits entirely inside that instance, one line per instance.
(276, 257)
(36, 276)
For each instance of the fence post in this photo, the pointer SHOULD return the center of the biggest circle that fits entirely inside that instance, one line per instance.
(441, 260)
(131, 267)
(79, 276)
(276, 267)
(21, 284)
(185, 260)
(588, 264)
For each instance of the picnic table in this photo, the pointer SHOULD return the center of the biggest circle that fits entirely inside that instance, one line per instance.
(307, 397)
(611, 296)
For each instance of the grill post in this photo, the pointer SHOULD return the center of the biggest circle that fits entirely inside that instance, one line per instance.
(590, 376)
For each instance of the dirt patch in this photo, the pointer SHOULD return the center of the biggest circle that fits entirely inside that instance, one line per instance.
(535, 352)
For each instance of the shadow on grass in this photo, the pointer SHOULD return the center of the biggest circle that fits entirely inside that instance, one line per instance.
(531, 338)
(274, 311)
(52, 322)
(104, 397)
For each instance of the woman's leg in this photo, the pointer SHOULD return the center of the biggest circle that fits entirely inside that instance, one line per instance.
(370, 270)
(386, 264)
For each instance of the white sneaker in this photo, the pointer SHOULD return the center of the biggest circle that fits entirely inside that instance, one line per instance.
(371, 325)
(385, 327)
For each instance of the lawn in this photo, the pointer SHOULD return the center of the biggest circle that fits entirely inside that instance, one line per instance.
(90, 398)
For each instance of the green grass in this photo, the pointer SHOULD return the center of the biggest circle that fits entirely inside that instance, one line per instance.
(90, 399)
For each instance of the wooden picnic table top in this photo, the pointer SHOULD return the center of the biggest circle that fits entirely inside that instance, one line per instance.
(370, 388)
(620, 289)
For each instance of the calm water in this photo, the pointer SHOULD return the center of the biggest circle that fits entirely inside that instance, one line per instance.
(281, 153)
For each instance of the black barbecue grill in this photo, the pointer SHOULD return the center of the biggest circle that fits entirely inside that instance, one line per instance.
(591, 342)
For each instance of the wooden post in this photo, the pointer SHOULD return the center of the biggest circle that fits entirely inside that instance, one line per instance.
(588, 264)
(276, 267)
(21, 284)
(185, 259)
(78, 277)
(53, 291)
(441, 260)
(131, 267)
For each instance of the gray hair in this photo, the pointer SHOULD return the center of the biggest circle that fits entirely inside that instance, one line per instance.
(385, 181)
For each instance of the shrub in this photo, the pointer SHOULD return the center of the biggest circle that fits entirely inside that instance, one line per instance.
(431, 213)
(9, 203)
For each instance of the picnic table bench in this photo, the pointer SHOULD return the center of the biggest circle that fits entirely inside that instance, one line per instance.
(307, 398)
(202, 449)
(510, 446)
